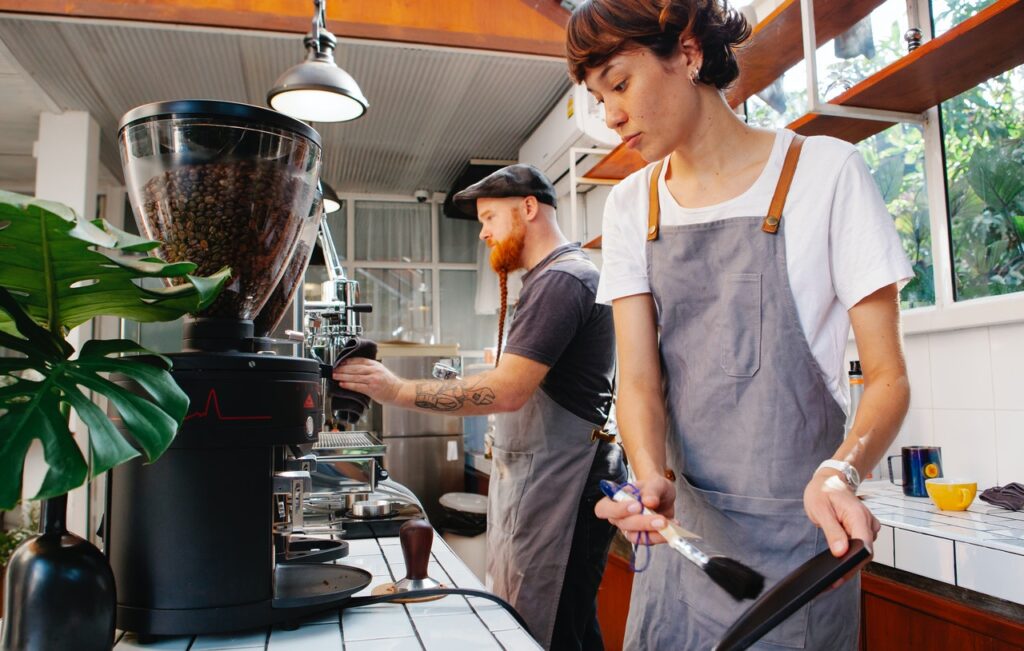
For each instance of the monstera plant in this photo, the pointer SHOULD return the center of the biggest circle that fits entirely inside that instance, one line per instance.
(58, 271)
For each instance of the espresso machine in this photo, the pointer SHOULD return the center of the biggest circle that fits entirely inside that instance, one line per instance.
(350, 493)
(212, 536)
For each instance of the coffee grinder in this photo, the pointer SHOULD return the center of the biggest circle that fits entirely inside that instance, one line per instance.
(201, 541)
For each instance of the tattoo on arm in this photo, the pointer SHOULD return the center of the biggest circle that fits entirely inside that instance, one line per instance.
(451, 395)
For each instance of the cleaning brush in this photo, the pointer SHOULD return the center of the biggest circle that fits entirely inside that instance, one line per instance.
(740, 581)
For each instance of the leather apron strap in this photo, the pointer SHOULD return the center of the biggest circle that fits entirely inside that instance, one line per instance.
(771, 221)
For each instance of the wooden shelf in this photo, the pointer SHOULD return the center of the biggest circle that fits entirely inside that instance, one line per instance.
(981, 47)
(776, 44)
(616, 165)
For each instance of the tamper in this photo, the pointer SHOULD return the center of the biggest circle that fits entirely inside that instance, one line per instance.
(416, 537)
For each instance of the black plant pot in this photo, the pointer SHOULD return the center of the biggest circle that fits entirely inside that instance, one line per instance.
(59, 591)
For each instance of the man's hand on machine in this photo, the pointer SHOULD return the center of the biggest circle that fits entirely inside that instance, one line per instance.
(368, 377)
(658, 495)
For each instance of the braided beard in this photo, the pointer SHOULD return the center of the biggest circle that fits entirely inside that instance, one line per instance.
(506, 256)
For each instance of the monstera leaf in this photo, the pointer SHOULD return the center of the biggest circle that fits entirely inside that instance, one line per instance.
(65, 270)
(59, 271)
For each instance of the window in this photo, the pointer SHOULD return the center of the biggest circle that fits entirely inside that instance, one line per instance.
(458, 239)
(983, 134)
(416, 267)
(392, 231)
(402, 302)
(460, 324)
(896, 160)
(864, 49)
(949, 13)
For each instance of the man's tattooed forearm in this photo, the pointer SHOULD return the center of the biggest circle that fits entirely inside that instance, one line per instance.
(451, 395)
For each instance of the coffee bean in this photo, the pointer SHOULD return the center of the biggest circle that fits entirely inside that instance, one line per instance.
(241, 214)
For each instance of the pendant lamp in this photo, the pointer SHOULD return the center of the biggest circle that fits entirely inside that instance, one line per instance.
(331, 201)
(317, 90)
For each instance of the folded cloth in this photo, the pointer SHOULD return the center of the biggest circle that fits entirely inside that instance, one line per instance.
(349, 405)
(1010, 496)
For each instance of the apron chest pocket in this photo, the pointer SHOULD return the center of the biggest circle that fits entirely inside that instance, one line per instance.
(509, 475)
(740, 325)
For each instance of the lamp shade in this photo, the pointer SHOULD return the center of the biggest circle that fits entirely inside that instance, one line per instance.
(317, 90)
(330, 198)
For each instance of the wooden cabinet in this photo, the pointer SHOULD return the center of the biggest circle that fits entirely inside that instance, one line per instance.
(476, 481)
(900, 610)
(613, 601)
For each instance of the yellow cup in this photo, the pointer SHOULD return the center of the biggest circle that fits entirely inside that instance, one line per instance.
(951, 494)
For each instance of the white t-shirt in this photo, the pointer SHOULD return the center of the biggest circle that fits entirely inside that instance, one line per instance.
(841, 244)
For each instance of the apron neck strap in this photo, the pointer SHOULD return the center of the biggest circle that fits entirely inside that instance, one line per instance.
(771, 222)
(774, 218)
(654, 209)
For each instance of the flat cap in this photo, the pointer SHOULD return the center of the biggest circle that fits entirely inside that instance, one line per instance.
(513, 181)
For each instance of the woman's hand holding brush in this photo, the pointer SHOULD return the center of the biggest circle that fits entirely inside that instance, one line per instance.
(658, 495)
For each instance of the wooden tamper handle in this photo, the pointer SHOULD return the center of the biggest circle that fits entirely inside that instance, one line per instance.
(417, 537)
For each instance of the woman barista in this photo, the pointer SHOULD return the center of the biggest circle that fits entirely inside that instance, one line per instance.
(736, 264)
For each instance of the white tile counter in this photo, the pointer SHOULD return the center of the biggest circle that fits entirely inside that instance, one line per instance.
(981, 549)
(453, 623)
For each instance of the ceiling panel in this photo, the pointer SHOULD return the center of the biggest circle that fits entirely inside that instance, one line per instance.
(431, 109)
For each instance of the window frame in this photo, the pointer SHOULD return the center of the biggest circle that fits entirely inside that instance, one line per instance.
(947, 313)
(434, 265)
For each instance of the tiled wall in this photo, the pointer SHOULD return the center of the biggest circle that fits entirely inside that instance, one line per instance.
(967, 396)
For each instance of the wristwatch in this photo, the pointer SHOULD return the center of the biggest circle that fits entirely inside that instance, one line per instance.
(849, 473)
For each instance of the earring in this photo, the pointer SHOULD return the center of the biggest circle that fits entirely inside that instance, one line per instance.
(694, 73)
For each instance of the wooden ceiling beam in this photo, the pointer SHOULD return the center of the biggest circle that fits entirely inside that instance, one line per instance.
(518, 26)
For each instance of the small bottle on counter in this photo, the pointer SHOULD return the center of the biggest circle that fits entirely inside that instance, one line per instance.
(856, 391)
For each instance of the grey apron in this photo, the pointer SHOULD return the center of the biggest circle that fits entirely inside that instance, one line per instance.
(542, 455)
(749, 419)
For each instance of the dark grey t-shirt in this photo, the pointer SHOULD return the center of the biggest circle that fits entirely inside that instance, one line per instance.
(558, 323)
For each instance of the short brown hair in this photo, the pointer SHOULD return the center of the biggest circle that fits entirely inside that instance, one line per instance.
(600, 29)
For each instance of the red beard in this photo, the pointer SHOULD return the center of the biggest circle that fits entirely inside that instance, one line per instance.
(507, 254)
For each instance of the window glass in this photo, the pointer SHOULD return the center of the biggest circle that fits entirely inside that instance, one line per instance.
(950, 13)
(392, 231)
(983, 131)
(864, 49)
(337, 222)
(459, 238)
(460, 324)
(896, 160)
(402, 300)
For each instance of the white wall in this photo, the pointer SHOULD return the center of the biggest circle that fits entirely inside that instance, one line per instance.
(967, 397)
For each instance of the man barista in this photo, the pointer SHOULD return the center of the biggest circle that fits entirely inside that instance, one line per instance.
(552, 389)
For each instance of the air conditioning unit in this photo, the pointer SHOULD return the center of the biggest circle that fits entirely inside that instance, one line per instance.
(576, 121)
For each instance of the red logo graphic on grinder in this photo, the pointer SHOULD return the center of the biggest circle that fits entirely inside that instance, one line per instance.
(211, 398)
(309, 404)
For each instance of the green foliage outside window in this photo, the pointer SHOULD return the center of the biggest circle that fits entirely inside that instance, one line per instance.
(984, 137)
(984, 156)
(895, 158)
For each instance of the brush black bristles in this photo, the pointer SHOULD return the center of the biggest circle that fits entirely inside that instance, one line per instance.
(734, 577)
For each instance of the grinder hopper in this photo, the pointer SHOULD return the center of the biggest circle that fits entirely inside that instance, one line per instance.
(223, 184)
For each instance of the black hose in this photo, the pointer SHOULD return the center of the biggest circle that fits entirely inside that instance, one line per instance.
(355, 602)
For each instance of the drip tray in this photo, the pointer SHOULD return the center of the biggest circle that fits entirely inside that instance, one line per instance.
(301, 585)
(305, 549)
